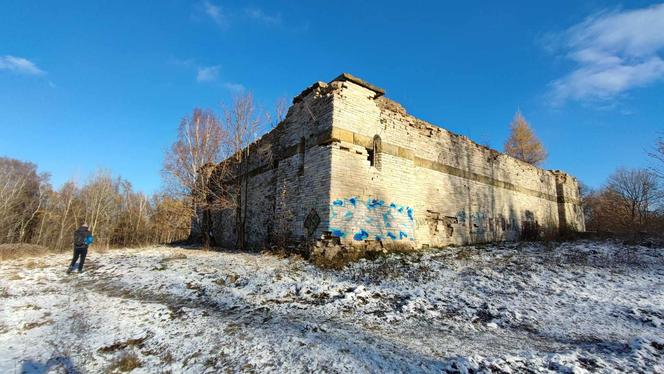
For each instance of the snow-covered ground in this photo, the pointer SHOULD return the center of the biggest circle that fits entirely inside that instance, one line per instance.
(576, 307)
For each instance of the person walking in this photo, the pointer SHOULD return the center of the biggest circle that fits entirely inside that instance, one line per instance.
(82, 239)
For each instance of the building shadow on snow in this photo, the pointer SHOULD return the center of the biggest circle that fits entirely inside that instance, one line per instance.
(34, 367)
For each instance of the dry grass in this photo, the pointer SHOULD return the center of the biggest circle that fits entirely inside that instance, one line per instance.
(14, 276)
(126, 362)
(343, 254)
(33, 264)
(167, 358)
(163, 263)
(32, 325)
(123, 345)
(21, 250)
(177, 256)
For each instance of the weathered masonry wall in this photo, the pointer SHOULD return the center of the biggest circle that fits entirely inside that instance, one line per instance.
(288, 178)
(426, 185)
(360, 168)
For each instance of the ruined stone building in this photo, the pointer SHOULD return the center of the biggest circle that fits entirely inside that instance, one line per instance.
(347, 162)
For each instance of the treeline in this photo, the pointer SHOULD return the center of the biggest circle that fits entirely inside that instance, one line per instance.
(631, 201)
(32, 211)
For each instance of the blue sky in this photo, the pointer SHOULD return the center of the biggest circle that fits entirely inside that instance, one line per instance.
(98, 84)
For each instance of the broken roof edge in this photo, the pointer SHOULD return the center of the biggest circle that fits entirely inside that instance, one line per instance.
(345, 77)
(396, 106)
(307, 90)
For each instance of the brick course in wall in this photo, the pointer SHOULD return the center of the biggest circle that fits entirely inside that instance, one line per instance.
(349, 163)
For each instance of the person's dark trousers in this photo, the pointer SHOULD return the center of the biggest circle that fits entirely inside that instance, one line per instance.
(79, 253)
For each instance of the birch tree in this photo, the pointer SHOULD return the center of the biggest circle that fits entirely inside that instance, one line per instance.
(198, 146)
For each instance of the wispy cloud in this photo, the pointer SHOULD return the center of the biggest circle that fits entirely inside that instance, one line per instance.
(223, 17)
(19, 65)
(189, 62)
(613, 52)
(207, 73)
(236, 88)
(257, 14)
(215, 13)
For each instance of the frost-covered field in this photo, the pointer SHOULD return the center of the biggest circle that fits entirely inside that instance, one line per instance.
(585, 306)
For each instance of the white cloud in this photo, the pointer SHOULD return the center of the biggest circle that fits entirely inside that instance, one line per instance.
(258, 14)
(207, 73)
(214, 12)
(234, 87)
(614, 52)
(19, 65)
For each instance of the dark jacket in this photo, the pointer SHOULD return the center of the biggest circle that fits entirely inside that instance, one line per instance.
(81, 238)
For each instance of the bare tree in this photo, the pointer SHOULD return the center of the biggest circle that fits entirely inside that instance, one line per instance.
(170, 219)
(199, 143)
(280, 111)
(100, 201)
(62, 211)
(604, 211)
(657, 154)
(628, 203)
(22, 193)
(242, 122)
(638, 192)
(523, 144)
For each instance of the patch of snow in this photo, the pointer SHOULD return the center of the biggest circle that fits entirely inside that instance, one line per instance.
(575, 307)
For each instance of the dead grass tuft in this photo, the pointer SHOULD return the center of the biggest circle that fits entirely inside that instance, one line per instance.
(126, 362)
(178, 256)
(32, 264)
(338, 256)
(138, 342)
(14, 276)
(393, 266)
(163, 263)
(467, 253)
(21, 250)
(167, 358)
(32, 325)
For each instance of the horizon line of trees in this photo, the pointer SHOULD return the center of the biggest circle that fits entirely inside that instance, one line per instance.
(630, 202)
(32, 211)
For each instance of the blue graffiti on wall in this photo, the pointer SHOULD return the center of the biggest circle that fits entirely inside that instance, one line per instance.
(461, 216)
(371, 219)
(479, 221)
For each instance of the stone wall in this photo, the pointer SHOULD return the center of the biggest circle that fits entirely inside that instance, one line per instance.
(363, 169)
(288, 177)
(454, 190)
